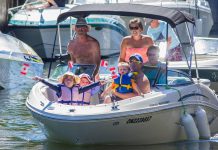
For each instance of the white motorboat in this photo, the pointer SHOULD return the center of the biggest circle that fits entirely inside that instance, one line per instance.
(15, 55)
(206, 53)
(181, 109)
(41, 24)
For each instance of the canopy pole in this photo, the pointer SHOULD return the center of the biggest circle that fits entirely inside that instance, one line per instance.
(52, 55)
(167, 47)
(71, 31)
(193, 47)
(59, 40)
(24, 4)
(180, 41)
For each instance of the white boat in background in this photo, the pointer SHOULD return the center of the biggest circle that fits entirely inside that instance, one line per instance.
(13, 55)
(207, 57)
(40, 25)
(200, 9)
(180, 109)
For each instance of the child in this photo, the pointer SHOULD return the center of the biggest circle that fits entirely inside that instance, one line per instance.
(122, 84)
(85, 80)
(68, 91)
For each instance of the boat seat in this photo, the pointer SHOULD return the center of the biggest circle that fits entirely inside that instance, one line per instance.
(49, 93)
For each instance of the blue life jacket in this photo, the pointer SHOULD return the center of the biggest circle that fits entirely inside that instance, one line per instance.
(123, 83)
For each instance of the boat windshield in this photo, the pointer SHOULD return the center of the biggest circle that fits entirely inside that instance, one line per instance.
(206, 46)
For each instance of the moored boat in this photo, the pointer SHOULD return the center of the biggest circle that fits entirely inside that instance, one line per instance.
(41, 24)
(169, 113)
(14, 55)
(206, 53)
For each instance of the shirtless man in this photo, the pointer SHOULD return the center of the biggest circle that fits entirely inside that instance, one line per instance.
(84, 49)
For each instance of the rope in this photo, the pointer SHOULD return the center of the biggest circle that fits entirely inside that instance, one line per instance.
(167, 87)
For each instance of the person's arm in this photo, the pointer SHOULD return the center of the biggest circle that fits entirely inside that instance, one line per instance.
(150, 42)
(51, 85)
(135, 87)
(97, 57)
(147, 86)
(54, 4)
(70, 51)
(88, 87)
(123, 50)
(169, 42)
(106, 91)
(124, 96)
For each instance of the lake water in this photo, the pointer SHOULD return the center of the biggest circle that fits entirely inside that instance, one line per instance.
(18, 129)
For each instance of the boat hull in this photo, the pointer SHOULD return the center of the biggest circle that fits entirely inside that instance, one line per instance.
(10, 76)
(151, 119)
(161, 126)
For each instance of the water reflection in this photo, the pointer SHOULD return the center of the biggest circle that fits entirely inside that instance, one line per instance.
(18, 129)
(202, 145)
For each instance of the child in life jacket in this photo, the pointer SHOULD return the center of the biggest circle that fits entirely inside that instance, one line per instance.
(124, 83)
(85, 80)
(68, 91)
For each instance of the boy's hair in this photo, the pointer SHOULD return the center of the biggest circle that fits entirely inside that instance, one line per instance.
(153, 48)
(137, 21)
(125, 64)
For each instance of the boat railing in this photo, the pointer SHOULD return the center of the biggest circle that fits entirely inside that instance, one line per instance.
(12, 11)
(189, 2)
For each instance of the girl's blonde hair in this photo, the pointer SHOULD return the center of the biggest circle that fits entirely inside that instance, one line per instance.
(76, 79)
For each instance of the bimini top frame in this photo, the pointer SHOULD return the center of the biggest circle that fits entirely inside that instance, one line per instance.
(171, 16)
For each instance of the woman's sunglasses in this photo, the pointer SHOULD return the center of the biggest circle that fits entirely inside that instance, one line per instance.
(133, 28)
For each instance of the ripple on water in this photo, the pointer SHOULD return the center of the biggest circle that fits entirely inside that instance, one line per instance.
(17, 127)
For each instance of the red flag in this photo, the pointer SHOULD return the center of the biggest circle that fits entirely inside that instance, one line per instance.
(70, 64)
(104, 63)
(114, 76)
(113, 73)
(112, 69)
(24, 68)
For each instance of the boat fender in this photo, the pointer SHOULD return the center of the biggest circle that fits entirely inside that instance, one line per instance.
(202, 123)
(190, 127)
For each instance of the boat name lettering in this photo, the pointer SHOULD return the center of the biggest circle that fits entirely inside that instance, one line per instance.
(139, 120)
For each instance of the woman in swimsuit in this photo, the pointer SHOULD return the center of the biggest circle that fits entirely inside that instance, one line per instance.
(136, 42)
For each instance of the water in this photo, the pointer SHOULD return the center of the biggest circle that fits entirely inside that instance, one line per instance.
(18, 129)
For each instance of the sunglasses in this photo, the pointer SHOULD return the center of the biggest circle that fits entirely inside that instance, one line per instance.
(135, 61)
(133, 28)
(81, 26)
